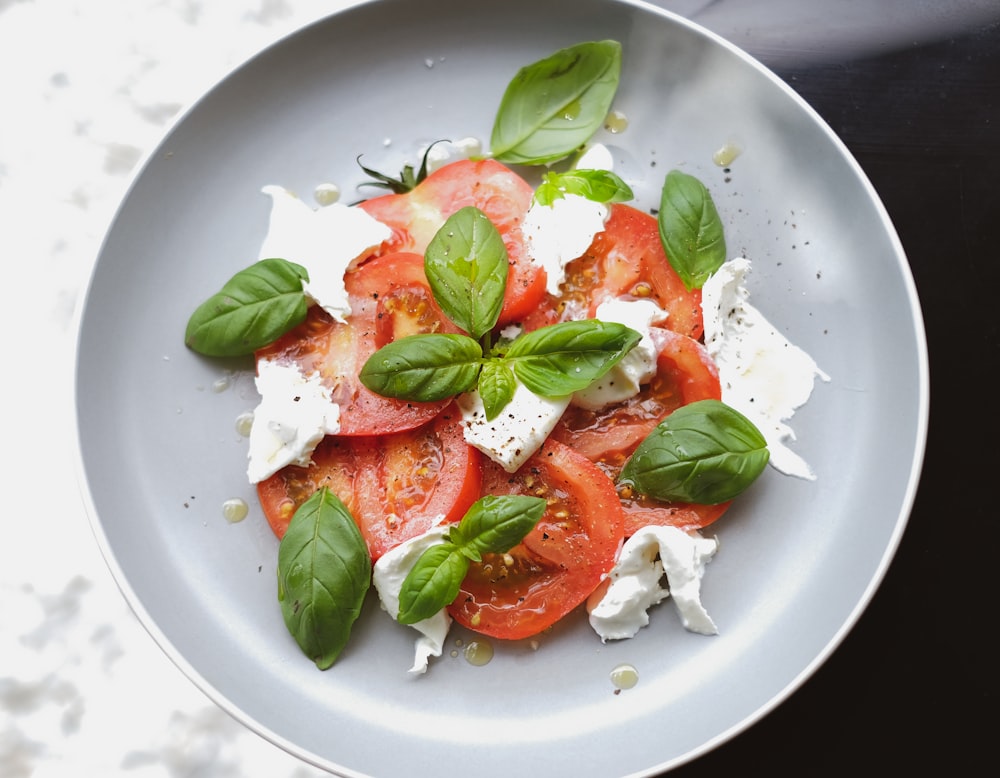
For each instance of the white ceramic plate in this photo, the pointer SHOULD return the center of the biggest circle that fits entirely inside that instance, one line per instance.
(161, 454)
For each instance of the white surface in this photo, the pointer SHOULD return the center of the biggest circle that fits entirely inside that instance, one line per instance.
(87, 89)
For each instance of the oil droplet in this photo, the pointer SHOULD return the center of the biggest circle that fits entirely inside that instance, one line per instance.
(244, 422)
(221, 384)
(327, 194)
(235, 510)
(726, 154)
(624, 676)
(616, 122)
(571, 110)
(478, 652)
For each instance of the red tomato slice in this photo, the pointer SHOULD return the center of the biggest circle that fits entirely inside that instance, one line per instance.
(416, 216)
(396, 486)
(608, 436)
(560, 562)
(625, 260)
(389, 298)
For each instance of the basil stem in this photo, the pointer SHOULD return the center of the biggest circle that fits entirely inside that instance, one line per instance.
(324, 571)
(553, 106)
(494, 524)
(255, 307)
(704, 452)
(690, 229)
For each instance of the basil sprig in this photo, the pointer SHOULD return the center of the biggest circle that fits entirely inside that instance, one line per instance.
(601, 186)
(690, 229)
(705, 452)
(324, 571)
(254, 307)
(552, 107)
(493, 525)
(466, 267)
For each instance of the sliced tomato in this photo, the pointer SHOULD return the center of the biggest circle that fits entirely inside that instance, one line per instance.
(389, 298)
(625, 260)
(416, 216)
(560, 562)
(396, 486)
(609, 435)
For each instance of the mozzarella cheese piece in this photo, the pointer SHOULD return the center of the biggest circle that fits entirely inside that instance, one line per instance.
(388, 574)
(558, 233)
(763, 375)
(517, 432)
(651, 554)
(325, 241)
(294, 414)
(638, 366)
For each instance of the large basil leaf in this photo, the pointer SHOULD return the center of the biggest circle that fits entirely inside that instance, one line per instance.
(563, 358)
(466, 267)
(424, 368)
(324, 571)
(690, 229)
(704, 452)
(254, 307)
(553, 106)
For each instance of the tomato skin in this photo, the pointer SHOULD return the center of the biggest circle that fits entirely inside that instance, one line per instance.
(395, 486)
(416, 216)
(608, 436)
(560, 562)
(389, 298)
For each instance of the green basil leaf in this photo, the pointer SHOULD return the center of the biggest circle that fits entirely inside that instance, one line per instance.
(496, 387)
(324, 571)
(466, 267)
(424, 368)
(493, 524)
(690, 229)
(432, 583)
(704, 452)
(254, 307)
(601, 186)
(496, 523)
(563, 358)
(553, 106)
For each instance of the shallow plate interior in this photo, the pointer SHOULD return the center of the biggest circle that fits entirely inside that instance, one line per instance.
(161, 453)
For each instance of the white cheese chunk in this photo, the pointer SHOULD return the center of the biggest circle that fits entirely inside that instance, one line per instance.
(638, 366)
(647, 557)
(388, 574)
(558, 233)
(324, 241)
(294, 414)
(517, 432)
(763, 375)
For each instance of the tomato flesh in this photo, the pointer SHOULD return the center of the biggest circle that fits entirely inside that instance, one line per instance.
(396, 486)
(560, 562)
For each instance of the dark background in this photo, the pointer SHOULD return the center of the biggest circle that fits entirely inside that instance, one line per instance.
(913, 687)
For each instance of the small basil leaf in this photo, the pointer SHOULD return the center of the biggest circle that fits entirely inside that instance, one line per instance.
(496, 523)
(466, 267)
(432, 583)
(601, 186)
(254, 307)
(553, 106)
(424, 368)
(704, 452)
(493, 524)
(324, 571)
(690, 229)
(563, 358)
(496, 387)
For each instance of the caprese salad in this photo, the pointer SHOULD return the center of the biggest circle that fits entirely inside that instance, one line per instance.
(499, 400)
